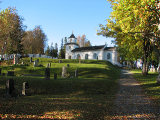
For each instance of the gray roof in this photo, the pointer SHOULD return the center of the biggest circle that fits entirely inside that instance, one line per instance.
(72, 43)
(91, 48)
(88, 48)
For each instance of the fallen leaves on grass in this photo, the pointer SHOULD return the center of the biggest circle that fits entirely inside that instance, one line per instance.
(47, 115)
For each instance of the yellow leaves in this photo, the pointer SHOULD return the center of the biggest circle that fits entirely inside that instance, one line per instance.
(47, 115)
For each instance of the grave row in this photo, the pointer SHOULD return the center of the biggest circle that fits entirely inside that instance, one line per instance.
(10, 90)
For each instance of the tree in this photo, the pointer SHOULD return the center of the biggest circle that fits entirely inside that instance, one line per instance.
(62, 51)
(65, 40)
(11, 31)
(35, 41)
(47, 52)
(133, 24)
(83, 42)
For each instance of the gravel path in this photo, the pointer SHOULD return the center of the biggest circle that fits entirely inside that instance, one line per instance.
(131, 103)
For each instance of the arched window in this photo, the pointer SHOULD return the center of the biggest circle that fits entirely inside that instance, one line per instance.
(95, 56)
(86, 56)
(78, 56)
(109, 56)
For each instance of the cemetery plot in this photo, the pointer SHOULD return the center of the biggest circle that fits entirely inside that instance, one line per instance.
(91, 86)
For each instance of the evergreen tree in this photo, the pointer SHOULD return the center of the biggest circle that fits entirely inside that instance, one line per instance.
(62, 51)
(47, 52)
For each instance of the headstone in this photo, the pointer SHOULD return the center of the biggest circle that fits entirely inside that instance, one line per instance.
(76, 73)
(47, 73)
(31, 59)
(60, 61)
(10, 73)
(25, 88)
(3, 74)
(158, 79)
(79, 60)
(55, 76)
(47, 65)
(37, 60)
(35, 63)
(68, 65)
(22, 63)
(64, 72)
(50, 65)
(0, 71)
(15, 59)
(9, 87)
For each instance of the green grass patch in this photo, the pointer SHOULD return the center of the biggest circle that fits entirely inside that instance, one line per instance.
(90, 96)
(149, 84)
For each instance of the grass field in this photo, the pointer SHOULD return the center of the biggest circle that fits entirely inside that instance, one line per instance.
(89, 97)
(149, 83)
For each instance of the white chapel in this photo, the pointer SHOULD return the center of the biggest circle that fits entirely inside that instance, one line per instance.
(74, 51)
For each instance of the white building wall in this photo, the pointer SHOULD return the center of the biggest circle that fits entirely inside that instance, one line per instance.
(90, 54)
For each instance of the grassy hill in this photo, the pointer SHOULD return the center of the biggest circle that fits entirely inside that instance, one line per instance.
(90, 96)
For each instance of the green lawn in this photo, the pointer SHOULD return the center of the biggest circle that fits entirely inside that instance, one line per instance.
(149, 83)
(90, 96)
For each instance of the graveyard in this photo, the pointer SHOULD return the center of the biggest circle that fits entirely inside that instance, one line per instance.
(57, 89)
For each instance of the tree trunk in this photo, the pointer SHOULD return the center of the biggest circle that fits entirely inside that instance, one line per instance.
(144, 69)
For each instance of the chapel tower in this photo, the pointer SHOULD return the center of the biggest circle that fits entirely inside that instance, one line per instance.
(71, 45)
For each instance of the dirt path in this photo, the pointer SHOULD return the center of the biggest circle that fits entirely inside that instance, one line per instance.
(131, 103)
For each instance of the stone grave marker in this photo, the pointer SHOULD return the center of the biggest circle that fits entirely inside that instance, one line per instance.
(31, 59)
(55, 76)
(10, 87)
(76, 73)
(37, 60)
(68, 65)
(50, 65)
(10, 73)
(47, 65)
(60, 61)
(158, 79)
(35, 63)
(25, 88)
(0, 71)
(47, 73)
(64, 72)
(15, 59)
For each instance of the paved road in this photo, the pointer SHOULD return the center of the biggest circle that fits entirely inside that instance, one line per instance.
(131, 103)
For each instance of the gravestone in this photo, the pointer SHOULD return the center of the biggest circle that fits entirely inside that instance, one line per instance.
(37, 60)
(50, 65)
(10, 87)
(10, 73)
(0, 71)
(60, 61)
(64, 72)
(25, 88)
(22, 63)
(47, 73)
(35, 63)
(55, 76)
(15, 59)
(31, 60)
(76, 73)
(68, 65)
(47, 65)
(158, 79)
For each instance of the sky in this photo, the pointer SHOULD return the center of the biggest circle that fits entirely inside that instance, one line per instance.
(58, 18)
